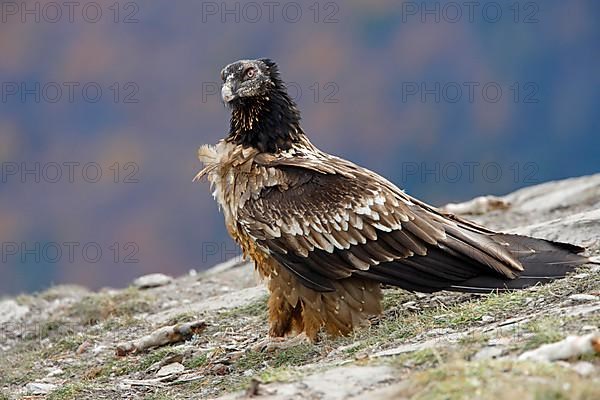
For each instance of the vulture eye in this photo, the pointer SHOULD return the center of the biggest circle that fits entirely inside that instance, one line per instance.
(250, 72)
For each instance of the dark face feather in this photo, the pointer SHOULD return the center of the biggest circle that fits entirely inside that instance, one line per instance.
(263, 115)
(245, 79)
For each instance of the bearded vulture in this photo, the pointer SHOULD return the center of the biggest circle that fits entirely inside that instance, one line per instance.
(326, 233)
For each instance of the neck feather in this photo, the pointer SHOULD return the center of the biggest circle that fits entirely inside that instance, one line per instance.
(270, 123)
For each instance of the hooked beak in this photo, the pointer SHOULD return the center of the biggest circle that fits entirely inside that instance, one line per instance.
(228, 91)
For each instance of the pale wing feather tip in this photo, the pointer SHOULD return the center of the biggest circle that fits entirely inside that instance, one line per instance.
(207, 154)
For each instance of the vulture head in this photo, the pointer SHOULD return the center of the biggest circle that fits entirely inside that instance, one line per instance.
(262, 113)
(249, 79)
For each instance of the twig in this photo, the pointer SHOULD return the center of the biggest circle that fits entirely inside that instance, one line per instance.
(162, 336)
(187, 379)
(572, 346)
(157, 383)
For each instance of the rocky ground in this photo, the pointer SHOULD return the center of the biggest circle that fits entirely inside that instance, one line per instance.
(62, 343)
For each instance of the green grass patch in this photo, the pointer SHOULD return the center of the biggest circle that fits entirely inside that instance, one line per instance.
(153, 357)
(294, 356)
(72, 391)
(197, 362)
(101, 306)
(499, 379)
(181, 318)
(545, 330)
(257, 308)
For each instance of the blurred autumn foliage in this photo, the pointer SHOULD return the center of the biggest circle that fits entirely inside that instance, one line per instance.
(446, 102)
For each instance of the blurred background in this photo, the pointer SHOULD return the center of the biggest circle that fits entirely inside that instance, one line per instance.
(104, 104)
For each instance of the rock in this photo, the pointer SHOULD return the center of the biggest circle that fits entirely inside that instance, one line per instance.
(564, 210)
(577, 228)
(335, 384)
(341, 383)
(11, 311)
(557, 194)
(588, 328)
(501, 341)
(583, 297)
(225, 266)
(37, 388)
(152, 280)
(222, 302)
(479, 205)
(581, 276)
(529, 300)
(583, 309)
(584, 368)
(54, 372)
(99, 349)
(170, 369)
(488, 352)
(487, 319)
(438, 331)
(219, 369)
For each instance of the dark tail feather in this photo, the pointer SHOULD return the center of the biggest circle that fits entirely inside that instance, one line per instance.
(542, 260)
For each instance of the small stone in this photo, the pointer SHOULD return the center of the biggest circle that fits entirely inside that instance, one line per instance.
(501, 341)
(583, 297)
(588, 328)
(438, 331)
(410, 305)
(581, 276)
(171, 369)
(529, 300)
(192, 272)
(488, 352)
(219, 369)
(361, 355)
(54, 372)
(39, 388)
(11, 311)
(152, 280)
(584, 368)
(487, 318)
(98, 349)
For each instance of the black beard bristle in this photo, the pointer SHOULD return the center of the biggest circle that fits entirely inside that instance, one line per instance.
(271, 122)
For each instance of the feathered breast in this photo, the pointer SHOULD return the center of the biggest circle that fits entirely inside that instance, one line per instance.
(236, 178)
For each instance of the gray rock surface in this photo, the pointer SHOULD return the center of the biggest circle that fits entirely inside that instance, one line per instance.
(152, 280)
(11, 311)
(537, 209)
(37, 388)
(336, 384)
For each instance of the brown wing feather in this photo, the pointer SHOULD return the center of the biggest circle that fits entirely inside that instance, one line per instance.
(336, 220)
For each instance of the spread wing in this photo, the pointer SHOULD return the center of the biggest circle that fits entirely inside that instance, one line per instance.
(329, 223)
